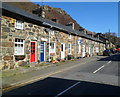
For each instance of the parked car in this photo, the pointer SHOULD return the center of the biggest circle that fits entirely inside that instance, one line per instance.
(113, 51)
(118, 50)
(107, 52)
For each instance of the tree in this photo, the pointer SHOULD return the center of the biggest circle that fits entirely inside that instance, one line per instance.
(112, 37)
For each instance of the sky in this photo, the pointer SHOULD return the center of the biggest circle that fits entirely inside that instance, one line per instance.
(94, 16)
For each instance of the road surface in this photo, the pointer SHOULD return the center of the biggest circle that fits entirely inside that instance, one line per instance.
(98, 77)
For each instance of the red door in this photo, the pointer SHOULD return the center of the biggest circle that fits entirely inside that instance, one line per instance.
(32, 54)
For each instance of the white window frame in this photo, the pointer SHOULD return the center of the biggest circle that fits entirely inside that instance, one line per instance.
(86, 41)
(89, 49)
(69, 48)
(69, 36)
(79, 45)
(97, 49)
(79, 48)
(52, 32)
(19, 50)
(19, 24)
(53, 50)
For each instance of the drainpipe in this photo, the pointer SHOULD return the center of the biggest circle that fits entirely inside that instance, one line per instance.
(49, 39)
(99, 43)
(75, 46)
(99, 47)
(49, 46)
(82, 49)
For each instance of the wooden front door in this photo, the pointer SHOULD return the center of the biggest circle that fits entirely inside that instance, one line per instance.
(42, 51)
(33, 50)
(83, 50)
(62, 50)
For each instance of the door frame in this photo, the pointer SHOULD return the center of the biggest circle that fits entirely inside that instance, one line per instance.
(89, 50)
(83, 50)
(63, 50)
(44, 51)
(79, 48)
(35, 51)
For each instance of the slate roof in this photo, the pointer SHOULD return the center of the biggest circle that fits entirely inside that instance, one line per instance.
(6, 7)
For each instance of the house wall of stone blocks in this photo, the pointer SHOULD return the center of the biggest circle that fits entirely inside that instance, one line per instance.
(32, 32)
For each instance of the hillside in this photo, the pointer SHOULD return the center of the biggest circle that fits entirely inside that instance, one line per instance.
(50, 12)
(58, 13)
(27, 6)
(54, 13)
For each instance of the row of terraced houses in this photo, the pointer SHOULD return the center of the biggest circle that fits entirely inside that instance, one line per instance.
(27, 38)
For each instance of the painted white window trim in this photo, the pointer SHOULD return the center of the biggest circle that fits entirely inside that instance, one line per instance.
(86, 41)
(69, 48)
(54, 47)
(89, 49)
(79, 40)
(19, 24)
(19, 50)
(79, 48)
(97, 49)
(53, 50)
(52, 32)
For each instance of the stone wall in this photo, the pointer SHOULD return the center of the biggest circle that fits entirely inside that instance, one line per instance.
(62, 37)
(33, 32)
(102, 48)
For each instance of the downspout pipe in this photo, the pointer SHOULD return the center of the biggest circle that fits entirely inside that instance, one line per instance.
(49, 46)
(49, 35)
(75, 47)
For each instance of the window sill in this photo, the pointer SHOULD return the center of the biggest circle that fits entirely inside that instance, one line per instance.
(19, 28)
(19, 57)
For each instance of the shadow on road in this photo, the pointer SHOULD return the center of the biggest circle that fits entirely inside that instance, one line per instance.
(115, 57)
(53, 86)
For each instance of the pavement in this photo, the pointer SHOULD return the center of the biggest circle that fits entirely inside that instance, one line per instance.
(97, 75)
(27, 75)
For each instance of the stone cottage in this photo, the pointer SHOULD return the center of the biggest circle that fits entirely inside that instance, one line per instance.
(27, 39)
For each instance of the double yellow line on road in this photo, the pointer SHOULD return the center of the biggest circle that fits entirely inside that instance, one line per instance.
(34, 79)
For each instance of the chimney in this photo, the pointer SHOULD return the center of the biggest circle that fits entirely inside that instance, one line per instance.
(43, 14)
(39, 11)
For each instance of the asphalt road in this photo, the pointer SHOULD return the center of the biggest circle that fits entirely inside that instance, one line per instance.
(98, 77)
